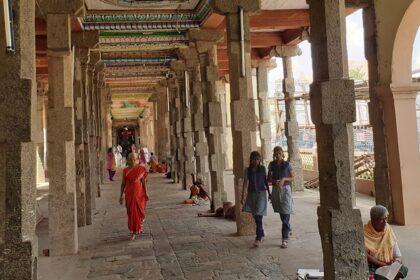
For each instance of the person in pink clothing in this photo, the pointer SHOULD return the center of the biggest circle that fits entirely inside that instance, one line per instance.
(110, 164)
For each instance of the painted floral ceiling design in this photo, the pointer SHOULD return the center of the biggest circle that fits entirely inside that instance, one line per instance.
(143, 3)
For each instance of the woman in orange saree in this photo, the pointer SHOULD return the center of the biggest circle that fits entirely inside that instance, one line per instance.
(134, 186)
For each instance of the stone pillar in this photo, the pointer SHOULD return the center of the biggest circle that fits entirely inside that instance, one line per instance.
(205, 42)
(173, 97)
(162, 122)
(184, 131)
(99, 92)
(91, 89)
(377, 109)
(291, 123)
(244, 124)
(83, 42)
(333, 112)
(61, 136)
(18, 242)
(263, 67)
(196, 107)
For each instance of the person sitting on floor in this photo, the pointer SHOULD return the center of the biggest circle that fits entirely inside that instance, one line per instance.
(227, 211)
(198, 195)
(381, 243)
(162, 167)
(154, 164)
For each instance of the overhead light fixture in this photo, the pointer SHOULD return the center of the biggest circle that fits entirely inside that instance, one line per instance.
(8, 24)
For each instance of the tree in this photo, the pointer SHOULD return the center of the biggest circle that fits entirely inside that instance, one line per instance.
(356, 73)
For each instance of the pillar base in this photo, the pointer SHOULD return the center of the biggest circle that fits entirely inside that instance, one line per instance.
(342, 243)
(19, 261)
(62, 224)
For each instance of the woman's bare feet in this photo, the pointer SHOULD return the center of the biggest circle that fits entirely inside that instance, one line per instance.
(133, 236)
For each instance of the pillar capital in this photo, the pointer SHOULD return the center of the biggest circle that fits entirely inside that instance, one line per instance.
(58, 34)
(286, 51)
(70, 7)
(178, 66)
(85, 39)
(205, 40)
(189, 55)
(231, 7)
(266, 63)
(405, 91)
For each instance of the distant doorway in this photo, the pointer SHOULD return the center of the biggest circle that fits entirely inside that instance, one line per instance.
(125, 138)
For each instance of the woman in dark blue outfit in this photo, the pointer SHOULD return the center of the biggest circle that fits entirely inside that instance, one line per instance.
(256, 200)
(280, 174)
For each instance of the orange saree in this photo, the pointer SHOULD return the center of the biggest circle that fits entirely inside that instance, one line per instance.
(135, 197)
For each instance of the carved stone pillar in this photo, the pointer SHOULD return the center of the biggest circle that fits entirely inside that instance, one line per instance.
(83, 42)
(184, 131)
(172, 94)
(196, 106)
(244, 124)
(61, 135)
(263, 67)
(291, 124)
(91, 89)
(205, 43)
(18, 242)
(333, 112)
(377, 111)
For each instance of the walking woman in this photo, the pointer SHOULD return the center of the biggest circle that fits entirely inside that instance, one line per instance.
(134, 186)
(110, 164)
(280, 174)
(256, 199)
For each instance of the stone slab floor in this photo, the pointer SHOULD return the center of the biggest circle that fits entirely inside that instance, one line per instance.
(176, 244)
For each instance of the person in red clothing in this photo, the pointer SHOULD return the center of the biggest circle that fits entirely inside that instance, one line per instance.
(134, 186)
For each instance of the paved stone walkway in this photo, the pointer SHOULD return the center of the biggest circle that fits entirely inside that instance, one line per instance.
(176, 244)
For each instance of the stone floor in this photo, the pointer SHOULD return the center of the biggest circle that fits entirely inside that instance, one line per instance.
(176, 244)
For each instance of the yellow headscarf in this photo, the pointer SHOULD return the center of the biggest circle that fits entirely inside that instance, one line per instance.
(380, 244)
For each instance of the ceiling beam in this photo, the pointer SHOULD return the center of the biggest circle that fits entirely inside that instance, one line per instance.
(259, 40)
(292, 36)
(358, 3)
(279, 19)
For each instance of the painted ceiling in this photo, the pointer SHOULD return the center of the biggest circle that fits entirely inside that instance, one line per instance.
(138, 39)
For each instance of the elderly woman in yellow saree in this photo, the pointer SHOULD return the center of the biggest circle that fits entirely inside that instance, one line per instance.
(381, 243)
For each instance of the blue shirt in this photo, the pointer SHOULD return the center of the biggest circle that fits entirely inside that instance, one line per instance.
(278, 171)
(257, 179)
